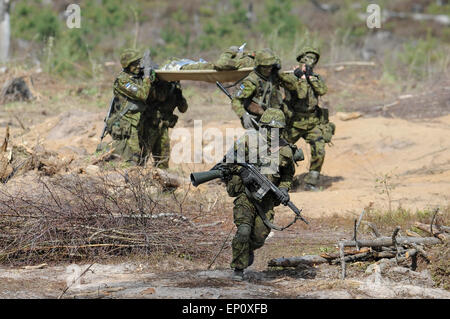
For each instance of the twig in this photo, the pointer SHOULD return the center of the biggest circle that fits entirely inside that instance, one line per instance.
(67, 288)
(374, 230)
(432, 220)
(221, 248)
(341, 252)
(394, 241)
(355, 230)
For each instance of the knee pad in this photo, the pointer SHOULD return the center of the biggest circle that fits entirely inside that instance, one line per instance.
(243, 233)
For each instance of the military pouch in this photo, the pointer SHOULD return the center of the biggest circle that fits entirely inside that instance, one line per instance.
(298, 154)
(121, 129)
(328, 131)
(323, 115)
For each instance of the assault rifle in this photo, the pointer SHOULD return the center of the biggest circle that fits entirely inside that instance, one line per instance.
(108, 115)
(224, 90)
(298, 72)
(252, 179)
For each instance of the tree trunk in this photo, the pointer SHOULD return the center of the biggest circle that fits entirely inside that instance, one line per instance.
(5, 30)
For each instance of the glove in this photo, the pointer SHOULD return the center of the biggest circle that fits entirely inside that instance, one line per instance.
(246, 177)
(298, 73)
(285, 198)
(246, 121)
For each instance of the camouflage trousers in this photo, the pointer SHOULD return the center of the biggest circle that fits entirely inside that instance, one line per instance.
(313, 135)
(251, 231)
(155, 141)
(125, 135)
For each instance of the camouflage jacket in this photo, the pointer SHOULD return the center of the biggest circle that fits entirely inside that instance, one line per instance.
(131, 88)
(303, 97)
(256, 93)
(279, 159)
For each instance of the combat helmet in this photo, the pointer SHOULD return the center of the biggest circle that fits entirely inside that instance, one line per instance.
(233, 49)
(128, 56)
(306, 50)
(273, 118)
(266, 57)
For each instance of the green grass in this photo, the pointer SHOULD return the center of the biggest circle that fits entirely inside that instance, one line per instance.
(405, 218)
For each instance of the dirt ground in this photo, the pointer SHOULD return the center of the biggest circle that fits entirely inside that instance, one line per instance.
(414, 151)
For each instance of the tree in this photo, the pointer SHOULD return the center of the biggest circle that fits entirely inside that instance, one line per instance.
(5, 30)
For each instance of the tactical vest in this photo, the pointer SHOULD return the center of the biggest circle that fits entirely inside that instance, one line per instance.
(267, 94)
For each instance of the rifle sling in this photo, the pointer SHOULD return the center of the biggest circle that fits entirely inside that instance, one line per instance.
(261, 213)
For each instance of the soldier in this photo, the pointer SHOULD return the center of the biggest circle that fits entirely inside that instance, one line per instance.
(235, 58)
(305, 118)
(259, 90)
(158, 118)
(131, 90)
(251, 215)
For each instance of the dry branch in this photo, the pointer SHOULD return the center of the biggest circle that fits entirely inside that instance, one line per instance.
(426, 228)
(81, 216)
(295, 261)
(387, 241)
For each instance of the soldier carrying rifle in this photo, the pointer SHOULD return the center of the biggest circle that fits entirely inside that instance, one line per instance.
(259, 178)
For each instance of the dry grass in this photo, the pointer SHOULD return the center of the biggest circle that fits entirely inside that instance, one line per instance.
(74, 217)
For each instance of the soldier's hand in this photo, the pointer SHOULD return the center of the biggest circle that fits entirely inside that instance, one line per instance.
(285, 198)
(151, 74)
(246, 121)
(298, 72)
(246, 177)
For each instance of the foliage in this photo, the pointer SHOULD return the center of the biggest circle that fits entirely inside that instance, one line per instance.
(30, 20)
(204, 28)
(66, 51)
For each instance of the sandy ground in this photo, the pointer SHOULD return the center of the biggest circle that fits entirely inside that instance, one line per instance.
(415, 153)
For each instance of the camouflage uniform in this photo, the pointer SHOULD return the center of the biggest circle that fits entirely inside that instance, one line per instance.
(258, 92)
(306, 119)
(251, 229)
(130, 91)
(231, 59)
(158, 118)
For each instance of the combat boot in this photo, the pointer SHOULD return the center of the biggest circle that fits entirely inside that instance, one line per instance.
(238, 274)
(311, 180)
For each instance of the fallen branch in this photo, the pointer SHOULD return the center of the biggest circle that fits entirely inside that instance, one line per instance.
(426, 228)
(387, 241)
(309, 260)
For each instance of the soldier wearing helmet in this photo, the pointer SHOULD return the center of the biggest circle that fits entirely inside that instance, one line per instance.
(260, 90)
(131, 91)
(233, 58)
(306, 119)
(248, 212)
